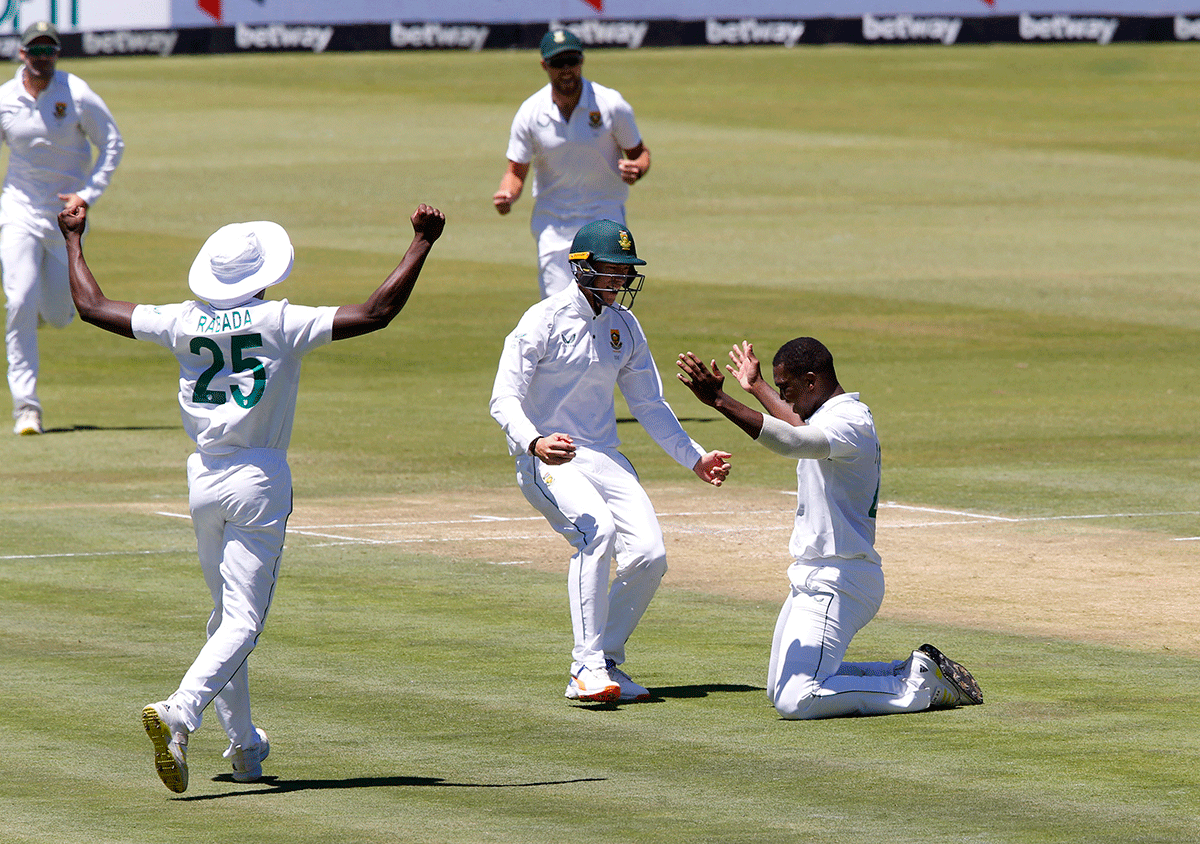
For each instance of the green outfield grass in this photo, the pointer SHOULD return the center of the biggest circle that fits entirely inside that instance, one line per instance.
(999, 246)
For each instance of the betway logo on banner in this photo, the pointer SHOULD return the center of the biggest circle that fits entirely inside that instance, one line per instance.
(607, 33)
(910, 28)
(434, 35)
(1186, 29)
(753, 31)
(129, 43)
(277, 36)
(1067, 28)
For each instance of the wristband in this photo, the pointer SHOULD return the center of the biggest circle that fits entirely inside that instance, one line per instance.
(533, 445)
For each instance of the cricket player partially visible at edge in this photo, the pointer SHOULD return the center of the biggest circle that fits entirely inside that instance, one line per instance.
(239, 371)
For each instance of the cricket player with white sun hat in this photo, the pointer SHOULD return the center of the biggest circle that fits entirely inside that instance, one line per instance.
(553, 396)
(239, 371)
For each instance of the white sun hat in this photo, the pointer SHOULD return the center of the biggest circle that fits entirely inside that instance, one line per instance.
(239, 260)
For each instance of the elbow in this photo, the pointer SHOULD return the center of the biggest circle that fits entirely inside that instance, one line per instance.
(89, 310)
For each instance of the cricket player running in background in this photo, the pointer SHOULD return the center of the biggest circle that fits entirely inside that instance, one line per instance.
(50, 120)
(553, 396)
(836, 576)
(585, 150)
(239, 371)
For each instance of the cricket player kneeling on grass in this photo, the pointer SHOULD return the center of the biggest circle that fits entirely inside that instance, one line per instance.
(836, 576)
(239, 371)
(553, 396)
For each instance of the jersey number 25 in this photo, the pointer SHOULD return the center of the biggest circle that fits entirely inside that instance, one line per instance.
(238, 343)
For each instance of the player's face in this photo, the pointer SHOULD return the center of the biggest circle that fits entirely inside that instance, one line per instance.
(609, 280)
(40, 57)
(799, 391)
(566, 73)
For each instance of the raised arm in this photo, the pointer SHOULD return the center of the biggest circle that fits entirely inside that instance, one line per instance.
(391, 296)
(707, 384)
(90, 301)
(748, 372)
(778, 435)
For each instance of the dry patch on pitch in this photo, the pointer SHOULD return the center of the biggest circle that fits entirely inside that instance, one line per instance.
(1059, 578)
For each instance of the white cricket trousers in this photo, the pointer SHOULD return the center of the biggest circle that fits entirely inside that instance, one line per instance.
(830, 601)
(36, 284)
(597, 504)
(240, 506)
(553, 236)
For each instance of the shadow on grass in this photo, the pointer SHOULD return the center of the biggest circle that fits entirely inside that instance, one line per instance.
(75, 429)
(700, 690)
(665, 693)
(275, 785)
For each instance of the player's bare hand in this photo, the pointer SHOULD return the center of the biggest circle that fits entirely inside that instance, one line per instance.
(503, 200)
(630, 171)
(555, 449)
(713, 468)
(428, 222)
(72, 200)
(745, 368)
(73, 219)
(706, 382)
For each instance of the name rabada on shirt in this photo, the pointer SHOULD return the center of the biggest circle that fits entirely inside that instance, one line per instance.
(223, 321)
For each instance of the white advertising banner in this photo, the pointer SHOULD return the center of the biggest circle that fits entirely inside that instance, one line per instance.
(229, 12)
(181, 27)
(108, 15)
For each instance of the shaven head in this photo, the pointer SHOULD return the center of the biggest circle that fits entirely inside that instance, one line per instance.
(806, 354)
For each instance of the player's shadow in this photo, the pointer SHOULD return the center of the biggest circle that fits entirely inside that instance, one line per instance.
(701, 690)
(277, 785)
(662, 694)
(75, 429)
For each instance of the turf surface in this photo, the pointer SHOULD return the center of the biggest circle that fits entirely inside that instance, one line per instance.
(998, 244)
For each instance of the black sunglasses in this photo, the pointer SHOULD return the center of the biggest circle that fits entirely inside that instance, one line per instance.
(565, 60)
(42, 50)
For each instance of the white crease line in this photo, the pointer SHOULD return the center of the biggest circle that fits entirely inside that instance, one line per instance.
(474, 520)
(893, 506)
(479, 520)
(300, 532)
(88, 554)
(311, 531)
(1105, 516)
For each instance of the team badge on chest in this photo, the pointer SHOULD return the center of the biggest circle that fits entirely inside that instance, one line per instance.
(60, 110)
(614, 339)
(594, 119)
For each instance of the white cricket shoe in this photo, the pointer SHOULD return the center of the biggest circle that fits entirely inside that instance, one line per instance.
(593, 685)
(247, 761)
(170, 745)
(630, 690)
(951, 684)
(28, 421)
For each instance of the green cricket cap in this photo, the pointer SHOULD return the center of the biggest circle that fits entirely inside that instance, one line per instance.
(560, 41)
(605, 240)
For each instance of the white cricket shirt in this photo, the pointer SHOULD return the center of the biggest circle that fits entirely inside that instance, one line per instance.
(50, 142)
(558, 370)
(574, 162)
(239, 368)
(837, 496)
